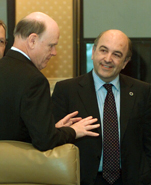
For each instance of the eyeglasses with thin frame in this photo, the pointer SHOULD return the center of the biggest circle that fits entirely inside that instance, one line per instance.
(3, 42)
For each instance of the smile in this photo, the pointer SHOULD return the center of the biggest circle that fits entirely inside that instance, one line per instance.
(105, 66)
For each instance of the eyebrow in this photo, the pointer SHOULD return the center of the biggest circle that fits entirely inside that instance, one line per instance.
(53, 44)
(102, 46)
(2, 38)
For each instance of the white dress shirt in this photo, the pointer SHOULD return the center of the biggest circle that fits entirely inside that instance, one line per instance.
(16, 49)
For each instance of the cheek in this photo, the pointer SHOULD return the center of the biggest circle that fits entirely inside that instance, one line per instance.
(119, 68)
(95, 58)
(92, 57)
(46, 52)
(120, 64)
(2, 49)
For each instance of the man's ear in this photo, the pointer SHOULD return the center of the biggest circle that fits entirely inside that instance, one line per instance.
(126, 61)
(32, 40)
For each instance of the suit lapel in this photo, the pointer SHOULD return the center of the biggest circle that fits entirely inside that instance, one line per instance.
(87, 94)
(127, 98)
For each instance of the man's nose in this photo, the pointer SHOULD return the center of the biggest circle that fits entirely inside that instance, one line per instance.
(53, 51)
(108, 57)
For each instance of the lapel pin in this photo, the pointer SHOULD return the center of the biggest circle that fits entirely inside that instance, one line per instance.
(131, 93)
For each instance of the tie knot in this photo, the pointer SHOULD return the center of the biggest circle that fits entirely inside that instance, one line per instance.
(108, 87)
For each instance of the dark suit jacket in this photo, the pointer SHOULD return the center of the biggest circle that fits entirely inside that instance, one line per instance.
(25, 105)
(135, 125)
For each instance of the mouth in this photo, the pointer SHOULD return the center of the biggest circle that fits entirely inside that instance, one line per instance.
(47, 60)
(107, 66)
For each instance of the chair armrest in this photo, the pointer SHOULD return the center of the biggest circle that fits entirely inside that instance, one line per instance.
(21, 163)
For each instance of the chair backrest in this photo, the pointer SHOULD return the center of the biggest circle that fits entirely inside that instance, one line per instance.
(22, 164)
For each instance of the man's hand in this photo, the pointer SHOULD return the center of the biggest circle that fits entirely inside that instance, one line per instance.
(81, 126)
(68, 120)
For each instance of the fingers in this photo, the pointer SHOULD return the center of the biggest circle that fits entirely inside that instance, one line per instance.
(69, 116)
(88, 120)
(83, 127)
(68, 124)
(91, 127)
(68, 120)
(59, 124)
(93, 134)
(73, 120)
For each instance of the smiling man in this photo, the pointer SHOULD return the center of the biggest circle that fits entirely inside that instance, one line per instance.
(121, 155)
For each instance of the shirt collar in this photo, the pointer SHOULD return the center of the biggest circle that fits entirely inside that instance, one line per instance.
(16, 49)
(99, 83)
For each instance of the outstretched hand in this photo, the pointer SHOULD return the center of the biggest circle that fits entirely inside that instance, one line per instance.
(68, 120)
(81, 126)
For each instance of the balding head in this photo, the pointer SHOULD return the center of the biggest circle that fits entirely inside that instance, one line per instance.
(36, 22)
(36, 35)
(38, 16)
(116, 33)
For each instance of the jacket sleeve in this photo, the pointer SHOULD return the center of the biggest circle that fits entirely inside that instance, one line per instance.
(36, 113)
(60, 98)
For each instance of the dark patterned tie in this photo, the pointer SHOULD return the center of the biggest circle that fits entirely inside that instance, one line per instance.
(111, 151)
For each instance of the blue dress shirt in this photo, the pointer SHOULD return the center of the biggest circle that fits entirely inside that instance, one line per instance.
(101, 93)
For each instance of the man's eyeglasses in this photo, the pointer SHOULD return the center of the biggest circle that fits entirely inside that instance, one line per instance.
(3, 42)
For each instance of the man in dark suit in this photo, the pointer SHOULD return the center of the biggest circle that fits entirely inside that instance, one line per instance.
(111, 52)
(25, 102)
(2, 38)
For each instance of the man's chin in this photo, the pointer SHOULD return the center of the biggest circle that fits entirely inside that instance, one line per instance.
(43, 66)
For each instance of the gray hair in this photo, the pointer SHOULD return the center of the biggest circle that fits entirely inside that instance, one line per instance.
(25, 27)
